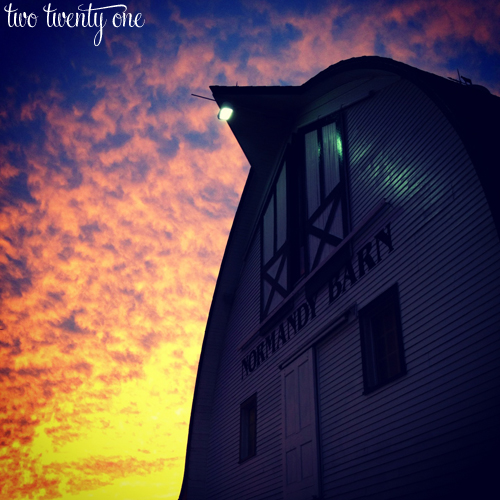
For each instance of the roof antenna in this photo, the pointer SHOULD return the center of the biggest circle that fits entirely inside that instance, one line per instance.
(203, 97)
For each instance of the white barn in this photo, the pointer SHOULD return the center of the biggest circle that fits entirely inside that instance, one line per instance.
(352, 347)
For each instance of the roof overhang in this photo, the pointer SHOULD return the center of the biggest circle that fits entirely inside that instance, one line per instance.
(264, 117)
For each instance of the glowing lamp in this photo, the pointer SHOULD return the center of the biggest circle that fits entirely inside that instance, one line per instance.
(225, 112)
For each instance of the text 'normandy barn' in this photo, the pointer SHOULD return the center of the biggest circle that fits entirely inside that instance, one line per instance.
(352, 347)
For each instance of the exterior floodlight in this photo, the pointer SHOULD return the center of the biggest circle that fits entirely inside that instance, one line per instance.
(225, 112)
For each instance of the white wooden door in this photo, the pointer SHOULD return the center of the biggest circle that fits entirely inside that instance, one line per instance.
(300, 454)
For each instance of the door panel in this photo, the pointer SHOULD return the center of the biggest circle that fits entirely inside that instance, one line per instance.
(300, 458)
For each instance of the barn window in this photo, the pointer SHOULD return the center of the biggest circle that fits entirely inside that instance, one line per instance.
(382, 341)
(274, 246)
(305, 216)
(325, 191)
(248, 428)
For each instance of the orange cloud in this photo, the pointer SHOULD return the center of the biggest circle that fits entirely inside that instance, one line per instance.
(113, 221)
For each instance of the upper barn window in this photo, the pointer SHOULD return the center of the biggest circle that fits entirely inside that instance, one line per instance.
(325, 190)
(305, 217)
(274, 246)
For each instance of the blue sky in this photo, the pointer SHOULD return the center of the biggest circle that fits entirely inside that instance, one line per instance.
(117, 193)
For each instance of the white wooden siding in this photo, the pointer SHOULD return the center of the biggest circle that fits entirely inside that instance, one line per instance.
(412, 438)
(409, 436)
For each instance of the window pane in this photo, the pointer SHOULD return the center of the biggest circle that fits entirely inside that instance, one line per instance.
(252, 428)
(276, 300)
(244, 436)
(283, 279)
(281, 209)
(312, 171)
(330, 157)
(383, 357)
(248, 428)
(386, 342)
(337, 228)
(266, 291)
(268, 236)
(314, 242)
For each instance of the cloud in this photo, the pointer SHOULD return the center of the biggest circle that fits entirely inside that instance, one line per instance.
(69, 325)
(118, 191)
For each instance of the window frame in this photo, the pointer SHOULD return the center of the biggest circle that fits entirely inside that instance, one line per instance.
(300, 227)
(373, 367)
(248, 429)
(311, 262)
(279, 254)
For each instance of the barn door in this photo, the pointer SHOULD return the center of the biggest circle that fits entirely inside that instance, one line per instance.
(300, 455)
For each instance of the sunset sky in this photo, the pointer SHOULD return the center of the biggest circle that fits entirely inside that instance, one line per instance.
(117, 194)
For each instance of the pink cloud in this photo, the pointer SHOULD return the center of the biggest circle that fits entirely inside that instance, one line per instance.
(110, 267)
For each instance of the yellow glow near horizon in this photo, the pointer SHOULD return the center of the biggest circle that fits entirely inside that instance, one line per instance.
(114, 215)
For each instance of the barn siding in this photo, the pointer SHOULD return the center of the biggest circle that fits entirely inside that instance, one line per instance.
(227, 479)
(407, 438)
